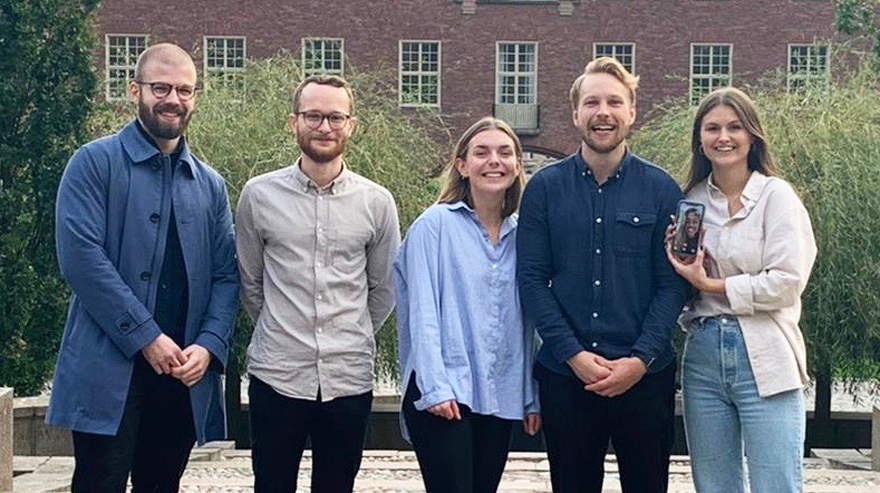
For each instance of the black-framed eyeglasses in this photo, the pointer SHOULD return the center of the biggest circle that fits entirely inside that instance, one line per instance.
(314, 119)
(161, 90)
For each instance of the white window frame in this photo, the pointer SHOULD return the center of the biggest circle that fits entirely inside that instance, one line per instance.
(323, 69)
(420, 73)
(225, 69)
(128, 67)
(712, 76)
(809, 77)
(517, 73)
(615, 46)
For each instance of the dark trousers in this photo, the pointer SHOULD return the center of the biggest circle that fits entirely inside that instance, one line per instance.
(578, 424)
(153, 442)
(280, 426)
(466, 456)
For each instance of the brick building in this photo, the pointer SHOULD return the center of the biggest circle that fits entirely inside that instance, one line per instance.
(511, 58)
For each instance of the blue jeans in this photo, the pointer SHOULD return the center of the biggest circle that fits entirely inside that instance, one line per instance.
(724, 416)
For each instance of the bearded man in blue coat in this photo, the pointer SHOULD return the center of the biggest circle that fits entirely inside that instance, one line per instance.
(145, 241)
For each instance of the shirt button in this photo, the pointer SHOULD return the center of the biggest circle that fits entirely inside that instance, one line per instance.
(583, 173)
(320, 330)
(597, 282)
(320, 230)
(598, 251)
(599, 220)
(636, 219)
(595, 344)
(595, 314)
(154, 217)
(145, 276)
(494, 266)
(600, 190)
(320, 297)
(321, 361)
(164, 285)
(320, 264)
(320, 197)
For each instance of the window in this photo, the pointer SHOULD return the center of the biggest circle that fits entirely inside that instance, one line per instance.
(517, 73)
(323, 56)
(807, 66)
(710, 69)
(121, 54)
(419, 83)
(625, 53)
(224, 60)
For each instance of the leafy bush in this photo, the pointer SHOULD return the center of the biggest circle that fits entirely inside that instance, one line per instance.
(827, 144)
(245, 133)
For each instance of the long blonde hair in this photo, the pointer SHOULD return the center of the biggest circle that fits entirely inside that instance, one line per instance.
(457, 188)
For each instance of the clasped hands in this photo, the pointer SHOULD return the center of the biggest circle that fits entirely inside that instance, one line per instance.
(187, 365)
(608, 378)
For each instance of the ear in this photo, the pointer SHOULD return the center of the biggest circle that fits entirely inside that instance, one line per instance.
(134, 91)
(574, 117)
(632, 114)
(291, 122)
(461, 166)
(353, 123)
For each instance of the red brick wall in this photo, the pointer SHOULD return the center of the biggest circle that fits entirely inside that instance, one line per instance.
(759, 30)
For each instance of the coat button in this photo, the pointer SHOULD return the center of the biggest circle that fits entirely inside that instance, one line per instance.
(154, 217)
(145, 276)
(124, 325)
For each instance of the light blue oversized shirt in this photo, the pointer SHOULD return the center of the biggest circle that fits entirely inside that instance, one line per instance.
(459, 322)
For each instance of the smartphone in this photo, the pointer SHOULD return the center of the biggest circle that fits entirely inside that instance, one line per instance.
(688, 226)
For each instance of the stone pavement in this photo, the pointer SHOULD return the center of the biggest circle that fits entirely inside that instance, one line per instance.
(217, 468)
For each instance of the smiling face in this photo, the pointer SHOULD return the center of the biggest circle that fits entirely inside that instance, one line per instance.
(604, 112)
(724, 138)
(164, 118)
(692, 224)
(491, 164)
(322, 144)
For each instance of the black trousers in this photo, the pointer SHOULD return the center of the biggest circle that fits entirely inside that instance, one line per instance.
(153, 442)
(578, 425)
(466, 456)
(280, 426)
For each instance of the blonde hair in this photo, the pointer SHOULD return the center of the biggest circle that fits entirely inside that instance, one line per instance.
(457, 188)
(605, 65)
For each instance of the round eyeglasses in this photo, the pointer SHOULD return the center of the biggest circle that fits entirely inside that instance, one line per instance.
(161, 90)
(314, 119)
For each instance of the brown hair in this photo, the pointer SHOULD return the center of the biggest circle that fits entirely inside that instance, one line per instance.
(323, 80)
(457, 188)
(759, 159)
(605, 65)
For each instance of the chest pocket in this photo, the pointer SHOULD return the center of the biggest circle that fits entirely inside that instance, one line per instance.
(632, 233)
(348, 249)
(746, 250)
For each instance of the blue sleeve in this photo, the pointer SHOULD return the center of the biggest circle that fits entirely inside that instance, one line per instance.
(534, 272)
(215, 334)
(80, 234)
(670, 289)
(421, 257)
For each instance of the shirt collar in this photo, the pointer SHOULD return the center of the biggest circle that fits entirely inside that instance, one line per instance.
(141, 150)
(750, 194)
(508, 225)
(582, 167)
(339, 184)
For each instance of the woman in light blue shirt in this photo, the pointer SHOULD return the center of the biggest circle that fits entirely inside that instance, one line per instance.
(466, 358)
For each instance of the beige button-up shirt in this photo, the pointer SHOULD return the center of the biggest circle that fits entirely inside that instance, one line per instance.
(764, 253)
(316, 279)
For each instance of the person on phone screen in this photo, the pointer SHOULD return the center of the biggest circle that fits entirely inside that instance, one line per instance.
(466, 357)
(744, 364)
(690, 231)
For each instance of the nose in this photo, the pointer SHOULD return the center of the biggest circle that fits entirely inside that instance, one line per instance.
(325, 125)
(602, 108)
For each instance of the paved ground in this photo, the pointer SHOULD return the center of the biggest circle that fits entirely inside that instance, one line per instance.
(217, 468)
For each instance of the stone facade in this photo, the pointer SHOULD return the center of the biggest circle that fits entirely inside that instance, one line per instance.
(469, 30)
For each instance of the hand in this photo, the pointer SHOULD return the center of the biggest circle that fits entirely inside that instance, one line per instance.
(532, 423)
(694, 270)
(669, 235)
(625, 372)
(589, 367)
(163, 354)
(446, 409)
(197, 360)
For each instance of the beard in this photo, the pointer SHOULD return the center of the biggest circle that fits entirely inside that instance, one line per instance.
(606, 146)
(320, 155)
(161, 130)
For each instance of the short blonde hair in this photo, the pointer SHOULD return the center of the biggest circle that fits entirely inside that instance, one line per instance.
(456, 188)
(605, 65)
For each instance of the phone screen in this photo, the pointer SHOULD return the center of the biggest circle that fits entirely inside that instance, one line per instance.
(688, 225)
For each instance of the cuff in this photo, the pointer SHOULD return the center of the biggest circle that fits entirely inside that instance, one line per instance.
(739, 293)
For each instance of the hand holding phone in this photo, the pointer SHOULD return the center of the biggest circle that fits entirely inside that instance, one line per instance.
(688, 227)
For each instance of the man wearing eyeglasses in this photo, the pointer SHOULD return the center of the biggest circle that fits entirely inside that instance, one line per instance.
(145, 240)
(315, 248)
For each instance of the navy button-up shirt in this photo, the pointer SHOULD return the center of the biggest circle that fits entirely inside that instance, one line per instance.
(112, 220)
(592, 268)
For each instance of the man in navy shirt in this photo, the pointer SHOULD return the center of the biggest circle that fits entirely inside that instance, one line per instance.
(595, 283)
